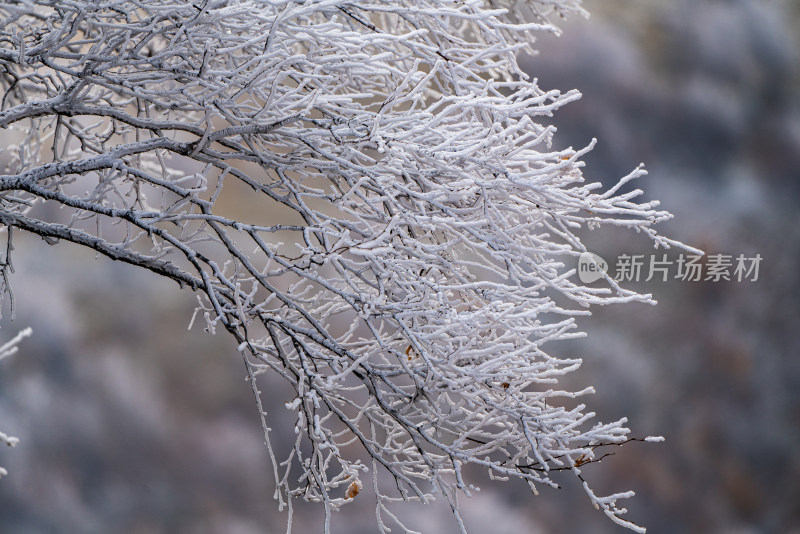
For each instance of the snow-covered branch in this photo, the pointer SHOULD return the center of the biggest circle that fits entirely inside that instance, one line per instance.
(406, 261)
(7, 349)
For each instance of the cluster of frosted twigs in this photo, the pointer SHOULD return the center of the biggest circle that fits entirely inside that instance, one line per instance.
(358, 191)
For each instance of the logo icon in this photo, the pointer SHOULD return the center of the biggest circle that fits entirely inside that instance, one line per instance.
(591, 267)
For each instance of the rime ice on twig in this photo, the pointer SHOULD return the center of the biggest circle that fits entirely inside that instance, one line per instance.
(7, 349)
(406, 265)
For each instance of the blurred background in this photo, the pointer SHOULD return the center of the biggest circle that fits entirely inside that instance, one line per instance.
(131, 423)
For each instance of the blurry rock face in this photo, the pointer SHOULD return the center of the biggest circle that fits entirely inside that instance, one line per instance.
(132, 424)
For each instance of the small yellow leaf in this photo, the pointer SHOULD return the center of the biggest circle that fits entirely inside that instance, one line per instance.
(353, 489)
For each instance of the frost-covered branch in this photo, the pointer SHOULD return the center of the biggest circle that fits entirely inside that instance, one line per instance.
(358, 192)
(7, 349)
